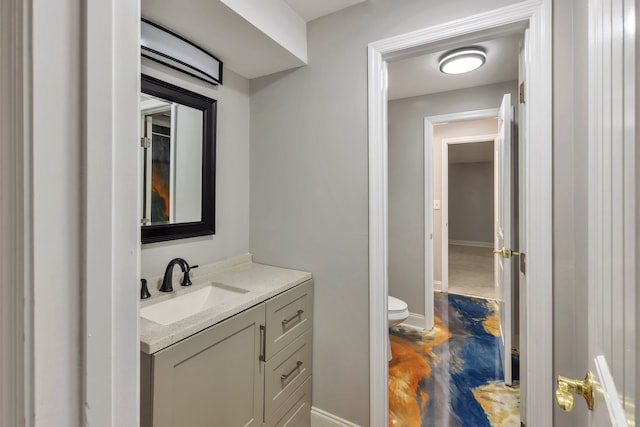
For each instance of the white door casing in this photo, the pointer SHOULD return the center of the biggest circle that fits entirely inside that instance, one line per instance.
(16, 333)
(445, 198)
(532, 14)
(429, 122)
(522, 278)
(502, 215)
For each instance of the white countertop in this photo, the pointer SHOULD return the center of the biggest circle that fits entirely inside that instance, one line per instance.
(262, 282)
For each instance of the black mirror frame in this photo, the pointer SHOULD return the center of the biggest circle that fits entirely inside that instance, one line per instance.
(206, 226)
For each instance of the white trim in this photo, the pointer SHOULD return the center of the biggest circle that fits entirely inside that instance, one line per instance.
(537, 15)
(471, 243)
(415, 321)
(112, 234)
(428, 179)
(444, 212)
(378, 239)
(16, 334)
(429, 123)
(464, 116)
(320, 418)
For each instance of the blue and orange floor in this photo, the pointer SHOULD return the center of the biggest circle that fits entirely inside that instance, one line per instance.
(452, 375)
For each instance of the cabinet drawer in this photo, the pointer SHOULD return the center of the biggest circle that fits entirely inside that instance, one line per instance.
(288, 316)
(285, 372)
(296, 411)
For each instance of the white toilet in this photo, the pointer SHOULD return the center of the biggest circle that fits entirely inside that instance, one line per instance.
(397, 312)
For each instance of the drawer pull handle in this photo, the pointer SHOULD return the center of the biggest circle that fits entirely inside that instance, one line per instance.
(263, 341)
(283, 377)
(298, 314)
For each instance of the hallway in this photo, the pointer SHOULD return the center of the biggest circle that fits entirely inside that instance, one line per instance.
(451, 376)
(471, 271)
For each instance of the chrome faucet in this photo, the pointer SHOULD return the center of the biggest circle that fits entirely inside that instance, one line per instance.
(167, 282)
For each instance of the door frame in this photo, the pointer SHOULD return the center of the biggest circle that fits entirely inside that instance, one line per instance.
(429, 122)
(444, 228)
(16, 263)
(536, 16)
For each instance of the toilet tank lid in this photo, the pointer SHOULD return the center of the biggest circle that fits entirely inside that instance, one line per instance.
(396, 304)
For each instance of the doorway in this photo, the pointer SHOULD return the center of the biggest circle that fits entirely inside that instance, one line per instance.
(468, 214)
(533, 15)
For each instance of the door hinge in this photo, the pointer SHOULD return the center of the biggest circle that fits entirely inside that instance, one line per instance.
(523, 263)
(145, 142)
(521, 95)
(144, 221)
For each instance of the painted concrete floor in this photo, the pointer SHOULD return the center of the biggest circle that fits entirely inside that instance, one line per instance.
(471, 271)
(451, 376)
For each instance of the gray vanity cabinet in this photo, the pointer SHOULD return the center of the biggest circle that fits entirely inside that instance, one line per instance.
(253, 369)
(211, 378)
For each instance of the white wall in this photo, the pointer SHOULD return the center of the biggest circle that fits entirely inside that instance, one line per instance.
(232, 176)
(309, 181)
(471, 208)
(406, 187)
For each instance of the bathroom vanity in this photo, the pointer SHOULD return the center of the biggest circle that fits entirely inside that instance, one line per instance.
(241, 358)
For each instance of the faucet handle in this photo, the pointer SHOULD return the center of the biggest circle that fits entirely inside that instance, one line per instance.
(186, 280)
(144, 291)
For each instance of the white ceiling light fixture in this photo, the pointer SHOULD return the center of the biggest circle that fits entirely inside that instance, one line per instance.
(463, 60)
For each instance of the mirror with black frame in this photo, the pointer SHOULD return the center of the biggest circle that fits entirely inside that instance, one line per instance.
(178, 138)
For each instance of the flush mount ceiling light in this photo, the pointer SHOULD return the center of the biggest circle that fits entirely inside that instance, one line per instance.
(462, 60)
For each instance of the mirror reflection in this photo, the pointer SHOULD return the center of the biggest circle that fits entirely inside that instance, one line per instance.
(177, 129)
(172, 181)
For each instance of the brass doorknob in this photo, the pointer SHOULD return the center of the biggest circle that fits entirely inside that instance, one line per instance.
(566, 386)
(506, 253)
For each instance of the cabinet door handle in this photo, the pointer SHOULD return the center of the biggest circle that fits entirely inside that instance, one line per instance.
(298, 314)
(263, 343)
(284, 377)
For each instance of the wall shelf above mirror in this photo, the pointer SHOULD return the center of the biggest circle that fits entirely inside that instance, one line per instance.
(178, 139)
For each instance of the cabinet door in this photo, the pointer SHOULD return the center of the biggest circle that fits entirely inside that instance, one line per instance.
(213, 378)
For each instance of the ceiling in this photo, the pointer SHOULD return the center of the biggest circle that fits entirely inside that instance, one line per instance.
(232, 38)
(471, 153)
(420, 75)
(312, 9)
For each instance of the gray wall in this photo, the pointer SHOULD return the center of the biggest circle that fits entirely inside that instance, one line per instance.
(309, 181)
(471, 202)
(232, 176)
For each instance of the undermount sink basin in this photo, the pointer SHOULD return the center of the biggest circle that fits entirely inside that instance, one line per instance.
(185, 305)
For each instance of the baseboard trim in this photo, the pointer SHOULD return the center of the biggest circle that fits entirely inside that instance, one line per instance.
(320, 418)
(471, 243)
(415, 321)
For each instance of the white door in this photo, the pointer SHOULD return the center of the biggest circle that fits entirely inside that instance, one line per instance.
(502, 240)
(612, 222)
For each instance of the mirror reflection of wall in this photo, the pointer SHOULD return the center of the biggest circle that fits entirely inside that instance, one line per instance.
(172, 176)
